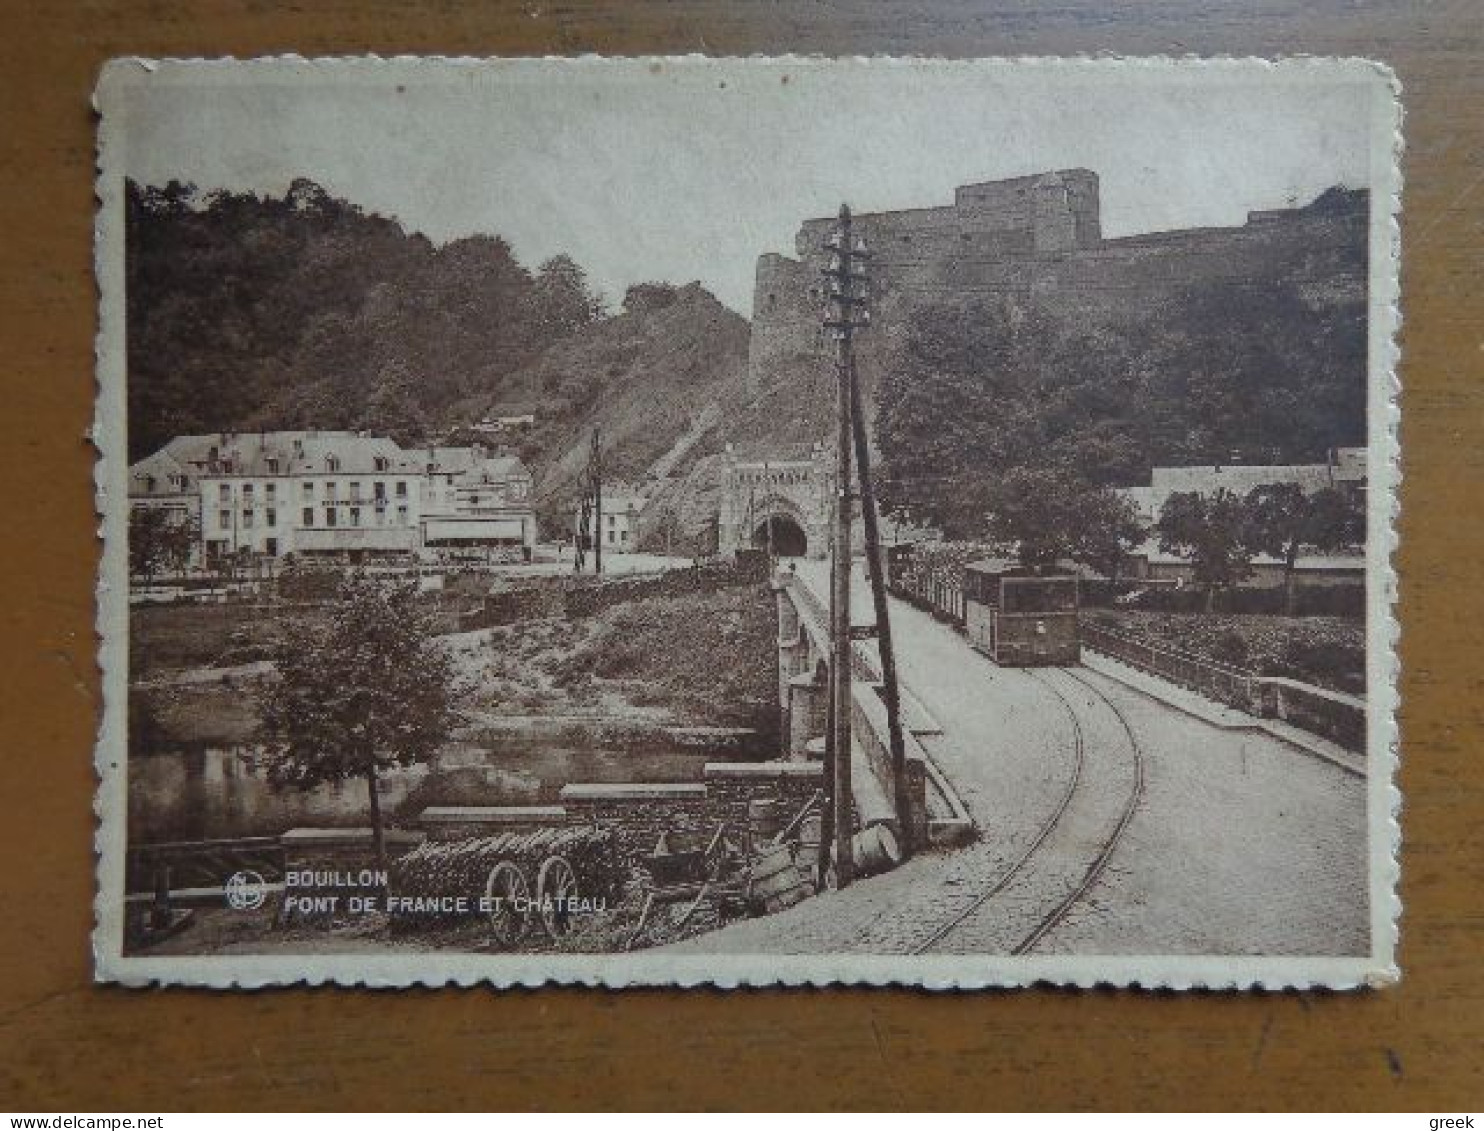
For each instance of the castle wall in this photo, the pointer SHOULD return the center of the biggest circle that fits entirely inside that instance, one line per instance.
(1038, 239)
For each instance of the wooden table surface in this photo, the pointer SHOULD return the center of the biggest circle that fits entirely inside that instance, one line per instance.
(66, 1045)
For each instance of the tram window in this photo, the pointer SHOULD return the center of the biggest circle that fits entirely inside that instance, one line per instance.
(1032, 595)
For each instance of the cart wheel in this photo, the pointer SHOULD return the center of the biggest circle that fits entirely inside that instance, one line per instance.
(510, 916)
(556, 887)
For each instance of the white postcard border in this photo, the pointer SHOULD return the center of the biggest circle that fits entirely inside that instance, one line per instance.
(959, 972)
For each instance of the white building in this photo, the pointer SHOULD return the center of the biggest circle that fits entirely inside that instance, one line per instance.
(162, 482)
(268, 494)
(618, 526)
(1345, 469)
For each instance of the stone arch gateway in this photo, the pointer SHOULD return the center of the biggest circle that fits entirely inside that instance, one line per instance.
(780, 491)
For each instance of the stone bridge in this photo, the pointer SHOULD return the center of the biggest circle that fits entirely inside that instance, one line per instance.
(804, 658)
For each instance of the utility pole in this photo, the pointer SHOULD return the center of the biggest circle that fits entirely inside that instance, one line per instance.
(890, 691)
(584, 522)
(595, 466)
(845, 283)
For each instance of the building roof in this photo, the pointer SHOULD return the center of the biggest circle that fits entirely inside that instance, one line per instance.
(1346, 465)
(1238, 479)
(318, 452)
(160, 474)
(306, 452)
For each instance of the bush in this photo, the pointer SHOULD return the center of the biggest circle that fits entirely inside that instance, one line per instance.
(1231, 648)
(1327, 663)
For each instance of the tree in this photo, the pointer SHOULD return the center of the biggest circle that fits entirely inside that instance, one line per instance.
(559, 300)
(1109, 529)
(1214, 532)
(182, 536)
(1284, 518)
(370, 691)
(149, 534)
(1050, 514)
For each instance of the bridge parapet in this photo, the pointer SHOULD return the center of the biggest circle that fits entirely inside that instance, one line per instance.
(937, 816)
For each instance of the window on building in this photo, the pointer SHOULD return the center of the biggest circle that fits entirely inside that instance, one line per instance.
(247, 520)
(225, 493)
(271, 491)
(308, 516)
(330, 490)
(224, 519)
(308, 490)
(272, 468)
(379, 490)
(381, 463)
(623, 536)
(329, 516)
(355, 516)
(355, 492)
(272, 516)
(246, 493)
(332, 463)
(402, 515)
(401, 488)
(610, 536)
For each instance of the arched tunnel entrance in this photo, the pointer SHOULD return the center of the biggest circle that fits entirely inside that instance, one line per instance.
(785, 536)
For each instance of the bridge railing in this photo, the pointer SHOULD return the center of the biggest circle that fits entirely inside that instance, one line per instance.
(1226, 685)
(1332, 714)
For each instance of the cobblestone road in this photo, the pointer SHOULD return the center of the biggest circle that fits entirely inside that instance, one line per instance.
(1241, 844)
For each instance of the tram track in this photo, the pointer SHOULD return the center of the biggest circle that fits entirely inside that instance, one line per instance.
(1078, 759)
(967, 919)
(1100, 861)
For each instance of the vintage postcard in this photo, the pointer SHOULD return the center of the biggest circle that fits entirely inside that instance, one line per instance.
(687, 521)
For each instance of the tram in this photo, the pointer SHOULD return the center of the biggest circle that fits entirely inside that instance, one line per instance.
(1019, 620)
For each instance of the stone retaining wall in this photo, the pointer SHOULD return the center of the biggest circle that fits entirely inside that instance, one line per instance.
(731, 787)
(638, 814)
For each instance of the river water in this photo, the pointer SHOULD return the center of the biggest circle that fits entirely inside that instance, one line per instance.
(201, 792)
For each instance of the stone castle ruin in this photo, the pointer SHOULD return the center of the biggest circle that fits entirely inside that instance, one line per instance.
(1038, 239)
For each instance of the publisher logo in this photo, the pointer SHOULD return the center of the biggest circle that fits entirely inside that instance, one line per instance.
(246, 891)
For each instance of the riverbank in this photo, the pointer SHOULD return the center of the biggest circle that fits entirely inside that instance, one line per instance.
(648, 690)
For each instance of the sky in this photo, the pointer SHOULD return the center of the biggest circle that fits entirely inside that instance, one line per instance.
(679, 170)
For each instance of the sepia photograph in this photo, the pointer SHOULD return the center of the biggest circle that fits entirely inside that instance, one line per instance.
(688, 521)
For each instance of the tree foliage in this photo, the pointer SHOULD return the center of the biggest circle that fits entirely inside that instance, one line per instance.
(1051, 514)
(160, 540)
(1214, 532)
(248, 311)
(371, 691)
(1282, 519)
(978, 388)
